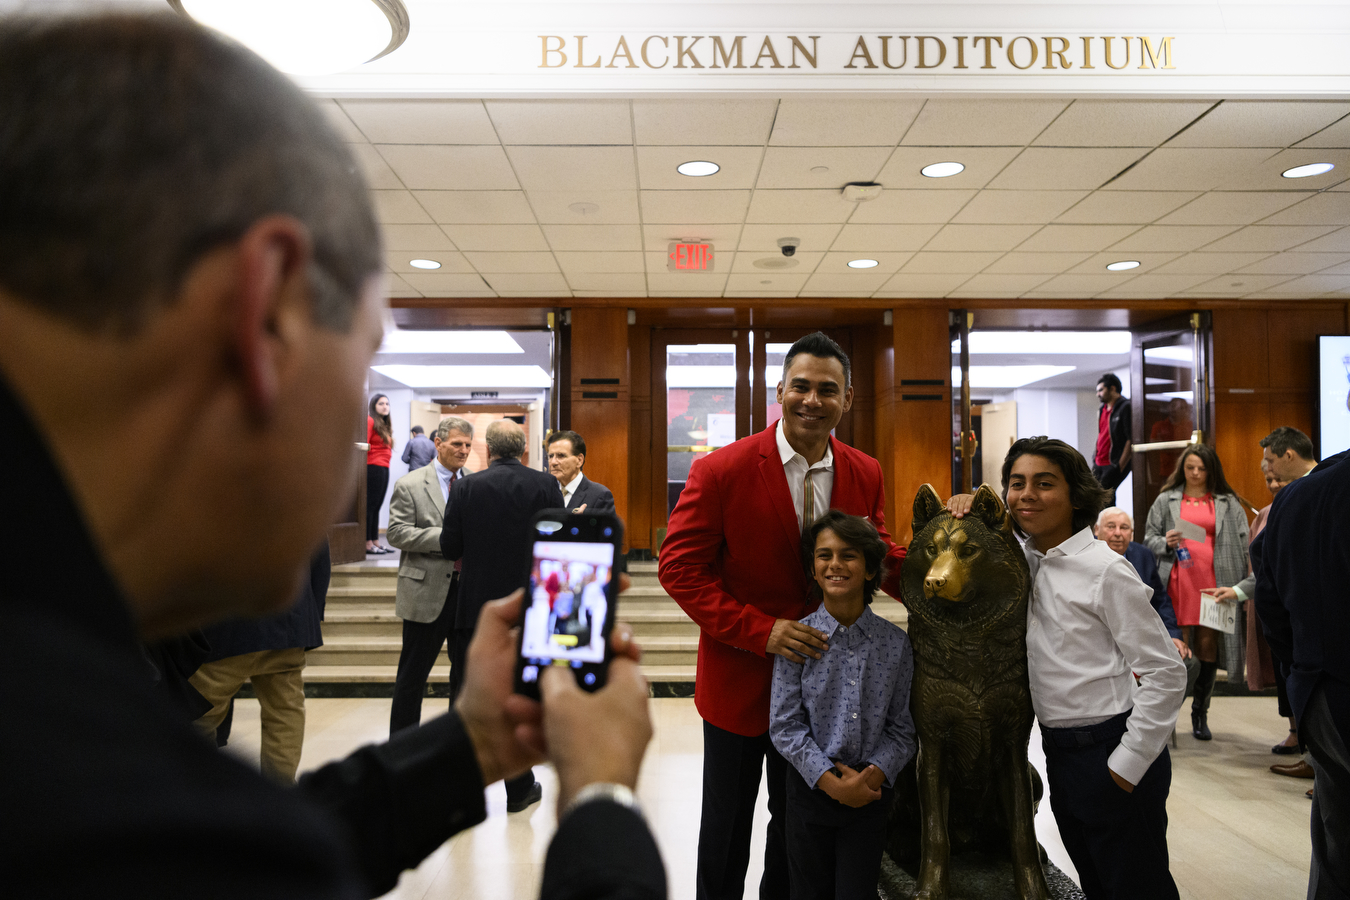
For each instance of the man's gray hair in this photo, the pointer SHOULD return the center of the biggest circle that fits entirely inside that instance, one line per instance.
(453, 423)
(1114, 511)
(505, 440)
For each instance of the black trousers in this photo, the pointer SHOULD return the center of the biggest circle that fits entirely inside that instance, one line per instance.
(377, 482)
(1326, 739)
(835, 850)
(421, 645)
(732, 765)
(460, 638)
(1116, 839)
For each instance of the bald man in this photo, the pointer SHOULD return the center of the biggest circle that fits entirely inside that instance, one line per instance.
(487, 527)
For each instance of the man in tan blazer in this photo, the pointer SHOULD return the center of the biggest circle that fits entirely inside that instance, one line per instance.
(428, 583)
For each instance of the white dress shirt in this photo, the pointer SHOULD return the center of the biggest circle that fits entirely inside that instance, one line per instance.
(1088, 627)
(795, 468)
(445, 477)
(570, 489)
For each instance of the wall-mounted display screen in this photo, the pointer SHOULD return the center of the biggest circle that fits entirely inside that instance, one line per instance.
(1333, 394)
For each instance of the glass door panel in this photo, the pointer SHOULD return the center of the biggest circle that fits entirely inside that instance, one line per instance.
(1169, 386)
(700, 407)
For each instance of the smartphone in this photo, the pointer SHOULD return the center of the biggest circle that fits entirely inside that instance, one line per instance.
(570, 599)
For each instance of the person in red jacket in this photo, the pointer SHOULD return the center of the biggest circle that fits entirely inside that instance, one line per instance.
(380, 437)
(731, 560)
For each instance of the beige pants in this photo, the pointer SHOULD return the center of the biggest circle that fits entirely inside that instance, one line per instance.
(277, 683)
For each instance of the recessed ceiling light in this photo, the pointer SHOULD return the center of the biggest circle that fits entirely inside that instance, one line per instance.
(1308, 170)
(584, 207)
(698, 168)
(1123, 265)
(862, 263)
(424, 264)
(943, 169)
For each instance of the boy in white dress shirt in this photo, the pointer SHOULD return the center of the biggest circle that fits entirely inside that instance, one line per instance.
(1089, 627)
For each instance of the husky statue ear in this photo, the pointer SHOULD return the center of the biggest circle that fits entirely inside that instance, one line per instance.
(989, 508)
(927, 506)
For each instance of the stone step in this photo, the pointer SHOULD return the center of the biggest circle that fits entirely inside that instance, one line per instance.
(382, 650)
(320, 674)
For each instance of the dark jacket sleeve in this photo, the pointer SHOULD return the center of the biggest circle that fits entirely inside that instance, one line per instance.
(452, 528)
(1270, 609)
(401, 800)
(320, 575)
(603, 851)
(1162, 601)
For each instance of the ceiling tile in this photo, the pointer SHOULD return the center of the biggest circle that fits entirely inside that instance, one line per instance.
(482, 292)
(601, 263)
(795, 167)
(802, 262)
(1152, 284)
(520, 262)
(980, 237)
(595, 238)
(419, 238)
(500, 238)
(580, 293)
(723, 237)
(1120, 207)
(993, 207)
(1335, 242)
(633, 283)
(850, 283)
(1236, 285)
(1036, 263)
(933, 283)
(689, 294)
(1336, 134)
(1210, 263)
(1054, 238)
(1232, 207)
(972, 123)
(713, 207)
(1120, 123)
(1186, 169)
(768, 294)
(814, 236)
(432, 283)
(768, 281)
(1268, 174)
(614, 207)
(799, 206)
(885, 237)
(1172, 237)
(703, 283)
(988, 283)
(1313, 284)
(1294, 263)
(904, 170)
(897, 207)
(1260, 123)
(1082, 285)
(396, 287)
(703, 121)
(451, 262)
(337, 117)
(1319, 209)
(1147, 262)
(441, 168)
(421, 121)
(887, 263)
(507, 284)
(899, 295)
(561, 121)
(378, 174)
(476, 207)
(943, 263)
(1066, 168)
(1269, 237)
(398, 208)
(1342, 269)
(842, 123)
(574, 168)
(739, 167)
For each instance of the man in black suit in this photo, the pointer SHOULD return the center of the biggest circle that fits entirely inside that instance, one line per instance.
(1302, 563)
(566, 456)
(487, 528)
(188, 247)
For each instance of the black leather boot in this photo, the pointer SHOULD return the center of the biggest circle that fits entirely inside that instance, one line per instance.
(1204, 689)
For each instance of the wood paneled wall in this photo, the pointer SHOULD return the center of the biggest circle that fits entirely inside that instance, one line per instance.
(599, 385)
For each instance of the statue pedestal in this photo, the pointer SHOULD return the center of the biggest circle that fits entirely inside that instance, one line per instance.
(974, 877)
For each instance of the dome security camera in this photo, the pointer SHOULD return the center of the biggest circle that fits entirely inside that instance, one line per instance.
(789, 245)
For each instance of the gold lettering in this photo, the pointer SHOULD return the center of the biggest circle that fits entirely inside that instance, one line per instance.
(725, 53)
(1051, 53)
(886, 51)
(621, 49)
(544, 39)
(1087, 54)
(1107, 41)
(988, 48)
(1164, 53)
(581, 39)
(1012, 45)
(681, 52)
(798, 45)
(942, 51)
(643, 50)
(766, 50)
(960, 53)
(860, 49)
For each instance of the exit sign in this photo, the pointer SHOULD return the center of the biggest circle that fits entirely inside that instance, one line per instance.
(689, 257)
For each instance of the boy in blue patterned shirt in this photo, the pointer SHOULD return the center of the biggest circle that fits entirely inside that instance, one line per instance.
(842, 721)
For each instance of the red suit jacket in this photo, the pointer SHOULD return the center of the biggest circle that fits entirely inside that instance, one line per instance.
(732, 560)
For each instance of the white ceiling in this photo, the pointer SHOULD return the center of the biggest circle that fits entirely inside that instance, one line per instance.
(1053, 190)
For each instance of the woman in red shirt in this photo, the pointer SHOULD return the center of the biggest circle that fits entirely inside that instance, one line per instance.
(380, 436)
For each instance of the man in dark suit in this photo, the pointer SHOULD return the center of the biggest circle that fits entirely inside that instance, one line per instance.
(1116, 528)
(1302, 564)
(487, 528)
(188, 247)
(566, 456)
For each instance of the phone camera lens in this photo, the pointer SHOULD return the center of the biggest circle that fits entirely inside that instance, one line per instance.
(608, 532)
(589, 678)
(576, 530)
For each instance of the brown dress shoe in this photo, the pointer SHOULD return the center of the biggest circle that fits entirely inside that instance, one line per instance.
(1299, 769)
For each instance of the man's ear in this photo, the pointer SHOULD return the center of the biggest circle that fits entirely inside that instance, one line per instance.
(848, 398)
(272, 267)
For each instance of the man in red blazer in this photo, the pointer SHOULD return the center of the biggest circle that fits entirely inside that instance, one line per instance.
(732, 560)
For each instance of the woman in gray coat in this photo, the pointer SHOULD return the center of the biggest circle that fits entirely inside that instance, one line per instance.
(1197, 492)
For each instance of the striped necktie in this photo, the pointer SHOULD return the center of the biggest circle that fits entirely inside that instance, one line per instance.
(808, 502)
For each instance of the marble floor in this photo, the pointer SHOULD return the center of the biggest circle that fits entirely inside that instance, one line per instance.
(1236, 831)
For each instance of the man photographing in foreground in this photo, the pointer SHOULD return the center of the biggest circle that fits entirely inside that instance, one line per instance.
(188, 252)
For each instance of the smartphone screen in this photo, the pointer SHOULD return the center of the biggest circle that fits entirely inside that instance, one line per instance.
(570, 598)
